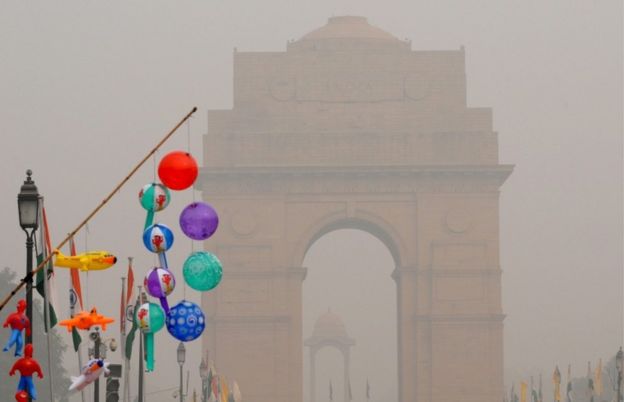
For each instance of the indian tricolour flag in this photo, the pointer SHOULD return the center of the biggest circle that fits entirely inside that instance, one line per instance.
(47, 289)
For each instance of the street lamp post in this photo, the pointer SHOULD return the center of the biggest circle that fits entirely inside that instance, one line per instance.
(619, 365)
(28, 207)
(181, 359)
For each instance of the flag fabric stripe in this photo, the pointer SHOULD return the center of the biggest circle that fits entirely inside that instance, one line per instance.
(557, 384)
(75, 296)
(523, 391)
(224, 389)
(598, 379)
(130, 337)
(130, 284)
(75, 276)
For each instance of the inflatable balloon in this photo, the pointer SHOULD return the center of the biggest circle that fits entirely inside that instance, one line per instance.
(18, 323)
(150, 319)
(158, 238)
(27, 366)
(21, 396)
(186, 321)
(154, 197)
(159, 283)
(199, 221)
(202, 271)
(178, 170)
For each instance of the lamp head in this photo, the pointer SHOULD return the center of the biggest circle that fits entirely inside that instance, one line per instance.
(28, 203)
(181, 353)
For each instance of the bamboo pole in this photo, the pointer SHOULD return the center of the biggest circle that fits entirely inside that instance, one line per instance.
(29, 277)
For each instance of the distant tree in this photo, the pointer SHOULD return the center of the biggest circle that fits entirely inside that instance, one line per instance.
(8, 385)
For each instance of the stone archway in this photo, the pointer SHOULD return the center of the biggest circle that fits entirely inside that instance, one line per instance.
(349, 126)
(329, 331)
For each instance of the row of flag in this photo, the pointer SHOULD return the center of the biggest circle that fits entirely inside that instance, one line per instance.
(216, 388)
(528, 393)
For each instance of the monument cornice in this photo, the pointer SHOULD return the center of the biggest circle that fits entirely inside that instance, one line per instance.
(353, 179)
(498, 171)
(468, 318)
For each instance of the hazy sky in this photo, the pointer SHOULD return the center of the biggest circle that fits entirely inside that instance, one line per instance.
(86, 88)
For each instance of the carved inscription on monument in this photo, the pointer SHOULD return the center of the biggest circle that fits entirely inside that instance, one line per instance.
(349, 87)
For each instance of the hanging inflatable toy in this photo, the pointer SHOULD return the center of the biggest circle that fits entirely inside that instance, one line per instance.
(202, 271)
(159, 283)
(90, 372)
(27, 366)
(199, 221)
(18, 323)
(150, 319)
(89, 261)
(186, 321)
(158, 238)
(178, 170)
(154, 197)
(86, 319)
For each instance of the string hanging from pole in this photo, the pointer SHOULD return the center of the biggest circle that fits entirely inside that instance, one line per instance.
(28, 277)
(86, 249)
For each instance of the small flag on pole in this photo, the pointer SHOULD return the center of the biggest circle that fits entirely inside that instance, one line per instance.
(130, 337)
(569, 386)
(75, 296)
(224, 390)
(130, 285)
(44, 248)
(598, 378)
(236, 393)
(523, 391)
(557, 384)
(590, 382)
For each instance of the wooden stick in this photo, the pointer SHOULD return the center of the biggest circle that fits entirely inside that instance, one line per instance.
(28, 278)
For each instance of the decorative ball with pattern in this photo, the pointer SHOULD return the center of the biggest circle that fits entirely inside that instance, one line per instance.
(186, 321)
(159, 282)
(202, 271)
(154, 197)
(158, 238)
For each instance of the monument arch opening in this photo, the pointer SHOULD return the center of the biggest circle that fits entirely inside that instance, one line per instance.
(349, 306)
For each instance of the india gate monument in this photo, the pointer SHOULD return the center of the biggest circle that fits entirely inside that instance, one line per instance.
(351, 128)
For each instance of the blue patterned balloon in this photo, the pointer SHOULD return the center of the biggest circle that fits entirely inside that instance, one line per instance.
(158, 238)
(186, 321)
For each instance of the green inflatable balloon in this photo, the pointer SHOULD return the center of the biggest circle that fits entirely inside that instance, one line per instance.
(202, 271)
(150, 318)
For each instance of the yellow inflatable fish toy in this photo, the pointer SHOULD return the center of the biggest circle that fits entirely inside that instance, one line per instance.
(89, 261)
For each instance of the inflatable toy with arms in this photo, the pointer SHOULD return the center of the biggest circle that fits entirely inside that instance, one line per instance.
(18, 323)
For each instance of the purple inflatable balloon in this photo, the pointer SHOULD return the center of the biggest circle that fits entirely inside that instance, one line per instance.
(199, 221)
(160, 282)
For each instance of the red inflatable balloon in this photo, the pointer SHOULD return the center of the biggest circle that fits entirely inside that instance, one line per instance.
(178, 170)
(21, 396)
